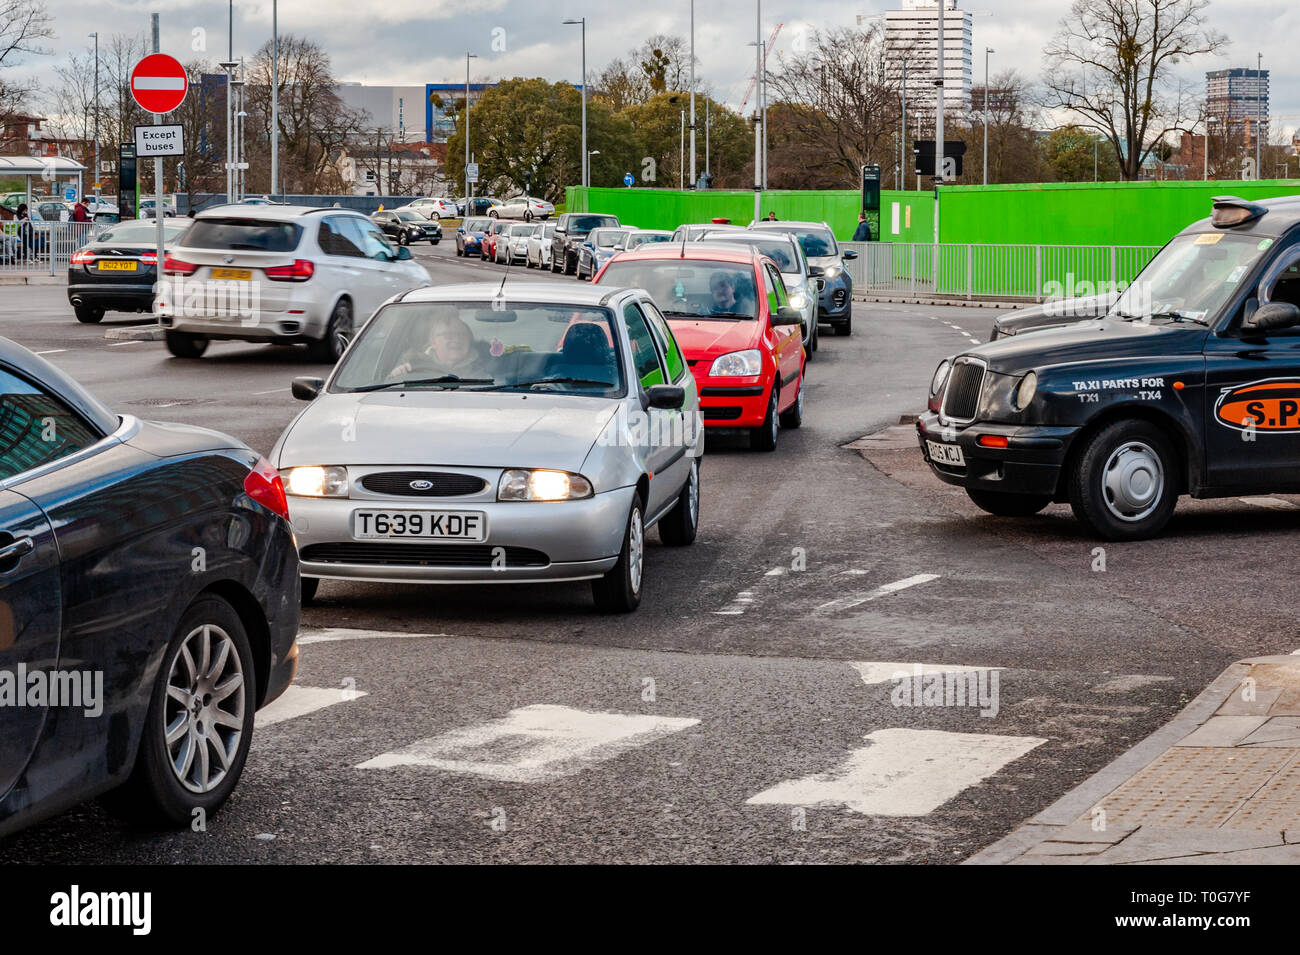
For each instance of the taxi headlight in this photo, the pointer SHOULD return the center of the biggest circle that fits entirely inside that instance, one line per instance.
(940, 377)
(316, 481)
(1025, 391)
(736, 364)
(527, 484)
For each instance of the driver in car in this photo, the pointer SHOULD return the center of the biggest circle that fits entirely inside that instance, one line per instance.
(449, 351)
(722, 286)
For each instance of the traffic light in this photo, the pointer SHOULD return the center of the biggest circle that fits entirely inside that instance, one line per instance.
(870, 188)
(923, 150)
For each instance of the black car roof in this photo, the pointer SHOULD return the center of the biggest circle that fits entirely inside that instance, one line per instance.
(33, 366)
(1280, 216)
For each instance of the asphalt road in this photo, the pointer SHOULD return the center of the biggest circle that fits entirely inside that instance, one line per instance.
(748, 712)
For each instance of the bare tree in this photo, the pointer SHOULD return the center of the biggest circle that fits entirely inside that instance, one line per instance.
(23, 25)
(1110, 64)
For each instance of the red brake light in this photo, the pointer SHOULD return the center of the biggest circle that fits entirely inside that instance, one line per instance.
(82, 258)
(300, 271)
(149, 258)
(175, 266)
(263, 485)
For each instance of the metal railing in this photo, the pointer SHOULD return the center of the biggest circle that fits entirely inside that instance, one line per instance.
(967, 270)
(45, 249)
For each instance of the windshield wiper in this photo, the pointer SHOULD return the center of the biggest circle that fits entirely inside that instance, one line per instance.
(413, 382)
(1178, 315)
(559, 380)
(733, 316)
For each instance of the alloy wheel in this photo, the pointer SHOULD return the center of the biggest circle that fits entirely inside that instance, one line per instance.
(203, 719)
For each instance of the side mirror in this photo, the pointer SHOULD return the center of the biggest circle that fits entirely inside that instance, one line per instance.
(850, 254)
(786, 315)
(1274, 315)
(815, 270)
(403, 253)
(305, 389)
(668, 397)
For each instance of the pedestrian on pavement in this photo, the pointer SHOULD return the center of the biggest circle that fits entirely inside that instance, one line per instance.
(771, 217)
(863, 232)
(26, 232)
(79, 211)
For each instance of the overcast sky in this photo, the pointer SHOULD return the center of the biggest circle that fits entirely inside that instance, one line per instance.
(403, 42)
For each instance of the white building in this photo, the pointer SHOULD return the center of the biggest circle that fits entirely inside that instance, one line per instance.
(912, 35)
(391, 108)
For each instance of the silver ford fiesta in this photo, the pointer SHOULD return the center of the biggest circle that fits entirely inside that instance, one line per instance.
(475, 434)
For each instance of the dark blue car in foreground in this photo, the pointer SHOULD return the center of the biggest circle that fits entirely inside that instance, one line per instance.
(149, 604)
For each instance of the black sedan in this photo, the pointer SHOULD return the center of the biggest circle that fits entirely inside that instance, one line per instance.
(407, 226)
(149, 604)
(116, 272)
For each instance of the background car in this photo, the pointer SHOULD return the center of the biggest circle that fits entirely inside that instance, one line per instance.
(639, 237)
(826, 261)
(487, 247)
(433, 207)
(570, 231)
(453, 478)
(527, 208)
(598, 248)
(407, 226)
(693, 232)
(744, 348)
(469, 235)
(98, 206)
(512, 243)
(290, 273)
(787, 253)
(97, 550)
(117, 270)
(146, 208)
(477, 205)
(538, 251)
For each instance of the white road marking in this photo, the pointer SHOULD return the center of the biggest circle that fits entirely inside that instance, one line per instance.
(739, 605)
(873, 672)
(845, 603)
(51, 351)
(301, 700)
(1264, 501)
(903, 772)
(271, 392)
(131, 341)
(775, 572)
(534, 744)
(335, 634)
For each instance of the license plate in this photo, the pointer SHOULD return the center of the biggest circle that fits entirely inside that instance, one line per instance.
(946, 453)
(115, 266)
(237, 275)
(420, 525)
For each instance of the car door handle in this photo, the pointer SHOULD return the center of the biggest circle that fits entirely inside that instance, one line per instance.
(15, 551)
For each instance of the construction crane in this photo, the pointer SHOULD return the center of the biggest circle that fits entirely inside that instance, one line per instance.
(766, 53)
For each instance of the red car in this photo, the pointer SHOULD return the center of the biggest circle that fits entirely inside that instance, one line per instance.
(728, 310)
(487, 247)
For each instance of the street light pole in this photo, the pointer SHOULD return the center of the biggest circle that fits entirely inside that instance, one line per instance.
(938, 135)
(469, 186)
(1259, 109)
(97, 173)
(582, 21)
(758, 115)
(693, 176)
(987, 51)
(275, 97)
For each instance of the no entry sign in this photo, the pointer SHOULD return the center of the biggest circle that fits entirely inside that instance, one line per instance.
(158, 83)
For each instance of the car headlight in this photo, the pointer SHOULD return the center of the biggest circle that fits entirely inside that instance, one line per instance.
(940, 377)
(1025, 391)
(316, 481)
(831, 271)
(737, 363)
(798, 301)
(528, 484)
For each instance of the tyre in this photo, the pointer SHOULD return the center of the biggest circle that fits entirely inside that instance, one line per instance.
(434, 241)
(792, 417)
(619, 590)
(764, 437)
(816, 337)
(458, 251)
(1003, 504)
(492, 214)
(309, 587)
(184, 345)
(89, 314)
(337, 334)
(435, 216)
(845, 327)
(528, 215)
(678, 527)
(199, 724)
(570, 264)
(1124, 482)
(555, 265)
(403, 238)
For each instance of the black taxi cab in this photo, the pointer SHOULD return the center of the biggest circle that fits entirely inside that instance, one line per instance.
(1189, 384)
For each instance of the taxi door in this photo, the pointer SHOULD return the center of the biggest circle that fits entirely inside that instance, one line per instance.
(1252, 391)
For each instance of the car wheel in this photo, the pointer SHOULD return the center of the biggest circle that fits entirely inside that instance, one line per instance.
(434, 241)
(1003, 504)
(89, 314)
(403, 238)
(816, 337)
(492, 214)
(570, 264)
(792, 417)
(555, 265)
(1124, 482)
(436, 216)
(185, 345)
(458, 251)
(845, 327)
(199, 724)
(309, 586)
(528, 215)
(679, 526)
(619, 590)
(337, 334)
(764, 437)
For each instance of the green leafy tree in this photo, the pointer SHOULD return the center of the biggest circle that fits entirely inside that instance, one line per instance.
(1069, 152)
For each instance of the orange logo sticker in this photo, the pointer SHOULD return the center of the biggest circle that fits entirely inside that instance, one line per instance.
(1271, 406)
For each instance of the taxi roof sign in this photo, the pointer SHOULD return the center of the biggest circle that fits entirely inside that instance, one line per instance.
(1232, 211)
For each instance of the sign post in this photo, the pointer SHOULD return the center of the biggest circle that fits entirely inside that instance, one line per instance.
(158, 84)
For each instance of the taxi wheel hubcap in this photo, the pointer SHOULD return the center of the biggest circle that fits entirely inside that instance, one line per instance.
(1133, 481)
(203, 715)
(635, 548)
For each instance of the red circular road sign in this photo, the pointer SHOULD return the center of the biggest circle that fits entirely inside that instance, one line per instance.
(158, 83)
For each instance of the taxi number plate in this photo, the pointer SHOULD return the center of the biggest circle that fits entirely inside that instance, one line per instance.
(946, 453)
(237, 275)
(423, 525)
(116, 266)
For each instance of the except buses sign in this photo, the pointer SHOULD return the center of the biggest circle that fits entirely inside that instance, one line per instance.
(158, 83)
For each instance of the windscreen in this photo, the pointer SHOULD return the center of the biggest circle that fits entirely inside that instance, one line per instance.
(689, 287)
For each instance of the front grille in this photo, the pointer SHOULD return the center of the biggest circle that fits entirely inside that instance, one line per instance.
(962, 398)
(839, 297)
(420, 555)
(720, 414)
(444, 484)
